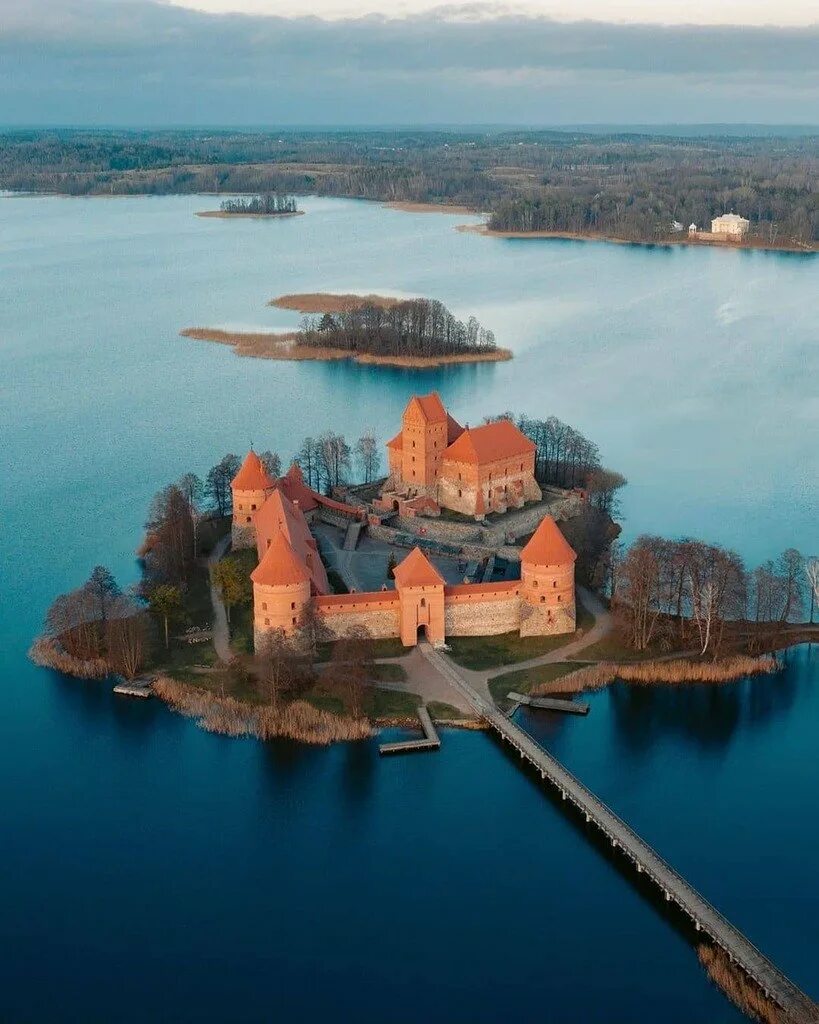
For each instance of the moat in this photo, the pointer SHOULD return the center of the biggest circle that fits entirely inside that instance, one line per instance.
(237, 868)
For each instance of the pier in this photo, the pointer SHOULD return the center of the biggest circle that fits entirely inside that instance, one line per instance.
(797, 1007)
(431, 741)
(569, 707)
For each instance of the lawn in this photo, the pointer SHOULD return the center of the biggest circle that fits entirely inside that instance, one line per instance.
(390, 703)
(441, 712)
(386, 647)
(526, 679)
(484, 652)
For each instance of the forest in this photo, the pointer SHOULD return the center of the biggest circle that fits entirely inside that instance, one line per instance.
(627, 185)
(269, 204)
(417, 328)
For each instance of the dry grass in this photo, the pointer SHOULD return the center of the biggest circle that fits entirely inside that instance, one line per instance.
(283, 346)
(48, 653)
(230, 717)
(409, 207)
(737, 986)
(655, 673)
(327, 302)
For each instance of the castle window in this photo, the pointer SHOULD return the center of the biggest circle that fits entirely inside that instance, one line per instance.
(268, 541)
(264, 606)
(252, 508)
(559, 597)
(248, 519)
(294, 620)
(267, 622)
(555, 583)
(423, 602)
(413, 444)
(293, 605)
(460, 493)
(542, 598)
(534, 583)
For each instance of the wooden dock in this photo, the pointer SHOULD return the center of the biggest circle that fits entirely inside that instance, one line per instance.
(429, 742)
(570, 707)
(797, 1007)
(137, 688)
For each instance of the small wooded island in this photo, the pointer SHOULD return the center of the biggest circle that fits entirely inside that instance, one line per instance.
(371, 329)
(268, 204)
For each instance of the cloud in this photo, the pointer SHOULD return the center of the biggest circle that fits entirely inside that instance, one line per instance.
(127, 61)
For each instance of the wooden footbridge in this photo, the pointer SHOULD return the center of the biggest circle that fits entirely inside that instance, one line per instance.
(796, 1006)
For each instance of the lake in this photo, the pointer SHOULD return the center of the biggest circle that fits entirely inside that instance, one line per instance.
(149, 869)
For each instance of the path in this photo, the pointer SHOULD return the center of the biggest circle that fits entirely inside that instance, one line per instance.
(221, 631)
(797, 1006)
(425, 680)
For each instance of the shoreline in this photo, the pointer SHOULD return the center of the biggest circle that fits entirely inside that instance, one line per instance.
(408, 206)
(577, 236)
(224, 215)
(281, 346)
(332, 302)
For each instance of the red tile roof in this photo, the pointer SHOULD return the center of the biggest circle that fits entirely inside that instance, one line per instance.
(252, 476)
(416, 570)
(294, 488)
(280, 515)
(489, 443)
(431, 407)
(280, 565)
(548, 546)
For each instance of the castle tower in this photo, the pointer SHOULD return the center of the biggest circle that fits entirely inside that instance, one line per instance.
(250, 487)
(281, 591)
(424, 438)
(421, 597)
(547, 582)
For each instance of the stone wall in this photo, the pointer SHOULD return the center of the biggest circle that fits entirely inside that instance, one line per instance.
(482, 618)
(380, 623)
(543, 621)
(440, 529)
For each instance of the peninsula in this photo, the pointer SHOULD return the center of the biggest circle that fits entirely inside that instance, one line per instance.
(412, 333)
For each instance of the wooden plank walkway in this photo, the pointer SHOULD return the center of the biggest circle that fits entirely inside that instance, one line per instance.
(430, 741)
(570, 707)
(796, 1005)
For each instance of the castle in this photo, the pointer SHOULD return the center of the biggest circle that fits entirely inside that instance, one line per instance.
(474, 471)
(433, 459)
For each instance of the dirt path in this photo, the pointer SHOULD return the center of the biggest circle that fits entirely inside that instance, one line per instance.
(221, 632)
(425, 680)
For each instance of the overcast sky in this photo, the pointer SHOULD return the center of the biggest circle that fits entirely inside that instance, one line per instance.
(136, 62)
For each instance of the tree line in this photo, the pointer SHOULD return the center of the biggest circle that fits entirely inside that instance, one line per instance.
(631, 186)
(416, 328)
(268, 203)
(677, 593)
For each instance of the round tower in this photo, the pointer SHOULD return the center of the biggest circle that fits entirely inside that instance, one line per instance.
(281, 591)
(547, 582)
(251, 485)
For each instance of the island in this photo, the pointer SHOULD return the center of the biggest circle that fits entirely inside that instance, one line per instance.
(294, 603)
(411, 333)
(268, 204)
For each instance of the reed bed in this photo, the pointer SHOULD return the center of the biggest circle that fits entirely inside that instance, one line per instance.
(49, 653)
(657, 673)
(743, 993)
(230, 717)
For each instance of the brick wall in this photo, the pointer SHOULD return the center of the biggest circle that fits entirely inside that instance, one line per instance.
(482, 617)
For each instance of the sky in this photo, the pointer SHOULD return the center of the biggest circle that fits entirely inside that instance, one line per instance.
(375, 62)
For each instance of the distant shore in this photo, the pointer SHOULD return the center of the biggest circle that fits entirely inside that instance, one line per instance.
(223, 214)
(579, 236)
(284, 346)
(410, 207)
(330, 302)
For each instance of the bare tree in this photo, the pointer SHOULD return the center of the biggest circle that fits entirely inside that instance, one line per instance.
(126, 637)
(812, 575)
(791, 570)
(193, 489)
(367, 454)
(217, 484)
(272, 463)
(308, 460)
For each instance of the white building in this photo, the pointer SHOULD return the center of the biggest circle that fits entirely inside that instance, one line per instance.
(692, 228)
(731, 225)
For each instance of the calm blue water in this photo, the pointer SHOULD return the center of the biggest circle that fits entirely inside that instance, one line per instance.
(150, 870)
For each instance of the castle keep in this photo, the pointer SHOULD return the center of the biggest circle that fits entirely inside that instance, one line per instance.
(474, 471)
(488, 467)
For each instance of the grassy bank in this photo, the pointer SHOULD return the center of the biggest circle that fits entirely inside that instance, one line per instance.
(655, 673)
(530, 680)
(227, 716)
